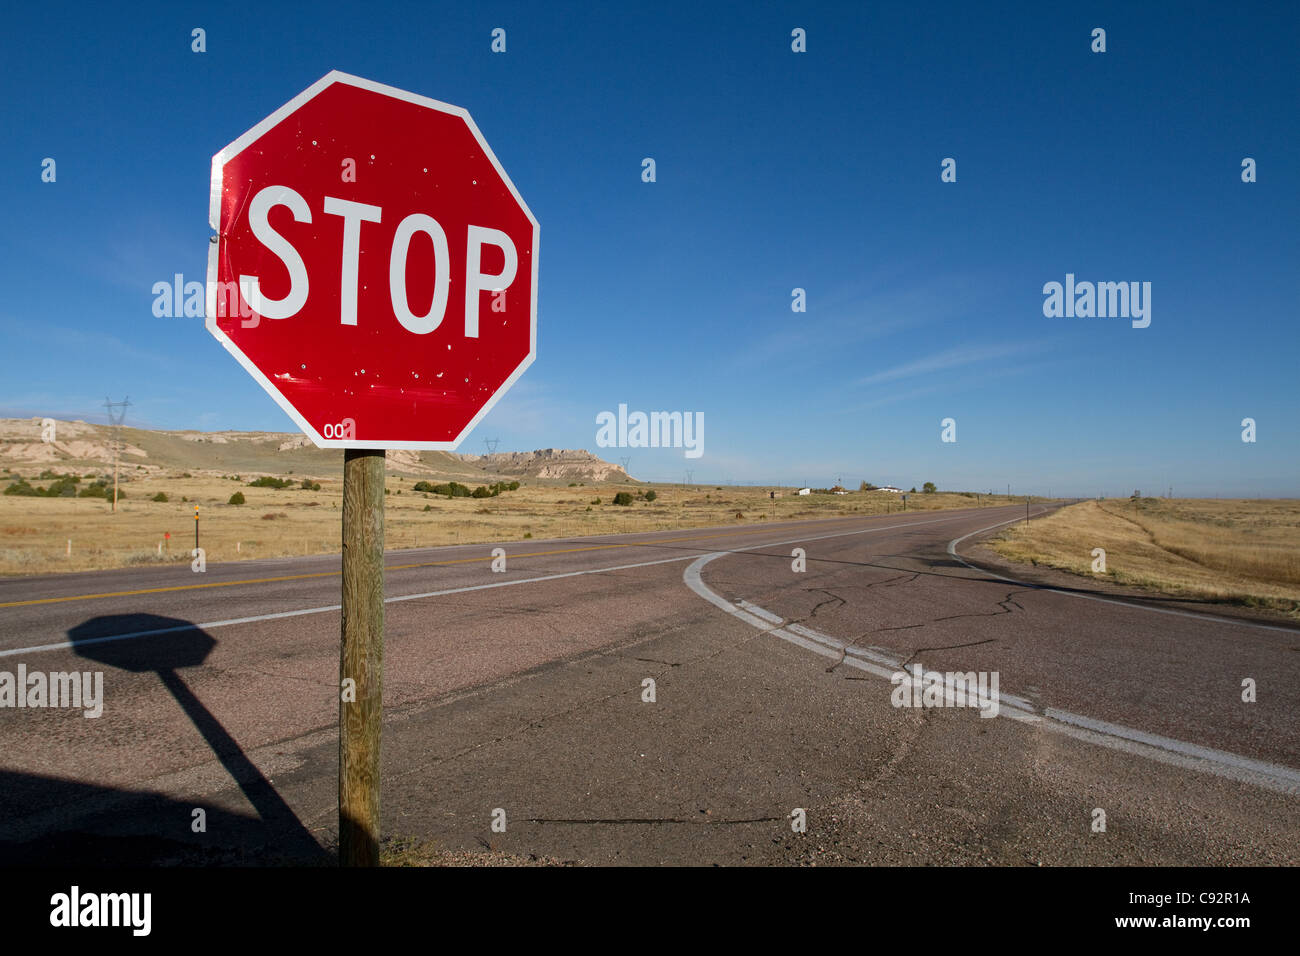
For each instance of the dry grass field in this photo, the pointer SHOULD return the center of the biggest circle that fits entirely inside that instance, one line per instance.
(1237, 551)
(34, 532)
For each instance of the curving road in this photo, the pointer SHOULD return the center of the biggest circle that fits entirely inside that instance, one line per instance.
(524, 691)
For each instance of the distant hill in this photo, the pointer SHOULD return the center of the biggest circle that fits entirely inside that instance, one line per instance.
(84, 447)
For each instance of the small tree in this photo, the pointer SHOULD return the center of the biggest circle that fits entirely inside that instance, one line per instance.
(913, 491)
(623, 498)
(236, 499)
(928, 488)
(651, 495)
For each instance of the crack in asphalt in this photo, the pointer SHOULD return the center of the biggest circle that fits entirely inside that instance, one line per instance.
(831, 598)
(538, 722)
(617, 821)
(1002, 604)
(1005, 604)
(947, 647)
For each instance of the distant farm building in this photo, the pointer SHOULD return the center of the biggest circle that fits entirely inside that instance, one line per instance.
(804, 491)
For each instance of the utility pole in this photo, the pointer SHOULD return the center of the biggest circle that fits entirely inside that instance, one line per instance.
(116, 422)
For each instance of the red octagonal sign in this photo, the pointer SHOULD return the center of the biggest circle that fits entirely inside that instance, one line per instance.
(374, 267)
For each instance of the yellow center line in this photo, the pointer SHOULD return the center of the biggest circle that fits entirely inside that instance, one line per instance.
(395, 567)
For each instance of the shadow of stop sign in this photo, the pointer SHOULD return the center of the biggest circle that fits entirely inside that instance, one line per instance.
(374, 267)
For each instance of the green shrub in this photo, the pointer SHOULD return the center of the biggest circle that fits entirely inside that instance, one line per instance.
(623, 498)
(161, 496)
(236, 499)
(481, 492)
(266, 481)
(65, 486)
(651, 495)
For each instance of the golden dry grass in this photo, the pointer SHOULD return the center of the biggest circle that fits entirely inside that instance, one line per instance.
(34, 531)
(1235, 551)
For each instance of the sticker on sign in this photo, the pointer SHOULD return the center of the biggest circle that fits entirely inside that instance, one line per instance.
(388, 262)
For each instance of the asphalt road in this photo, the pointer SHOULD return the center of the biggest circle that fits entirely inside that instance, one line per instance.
(523, 692)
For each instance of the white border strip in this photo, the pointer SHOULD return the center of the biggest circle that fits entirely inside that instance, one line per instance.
(1102, 733)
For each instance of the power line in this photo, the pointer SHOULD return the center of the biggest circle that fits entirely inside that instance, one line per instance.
(115, 421)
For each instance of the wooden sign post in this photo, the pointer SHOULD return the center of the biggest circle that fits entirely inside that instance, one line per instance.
(361, 662)
(393, 360)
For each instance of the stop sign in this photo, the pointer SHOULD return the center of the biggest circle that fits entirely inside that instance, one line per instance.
(374, 267)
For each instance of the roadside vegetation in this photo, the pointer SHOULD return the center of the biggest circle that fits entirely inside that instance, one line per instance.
(1237, 551)
(35, 530)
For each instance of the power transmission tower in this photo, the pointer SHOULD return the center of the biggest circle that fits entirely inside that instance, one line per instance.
(491, 444)
(689, 476)
(115, 420)
(625, 459)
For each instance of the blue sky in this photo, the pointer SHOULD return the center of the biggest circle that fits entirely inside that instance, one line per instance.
(775, 170)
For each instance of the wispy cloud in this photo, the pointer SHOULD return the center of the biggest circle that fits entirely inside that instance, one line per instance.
(861, 312)
(99, 345)
(948, 359)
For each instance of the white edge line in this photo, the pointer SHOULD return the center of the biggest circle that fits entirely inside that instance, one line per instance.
(1101, 733)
